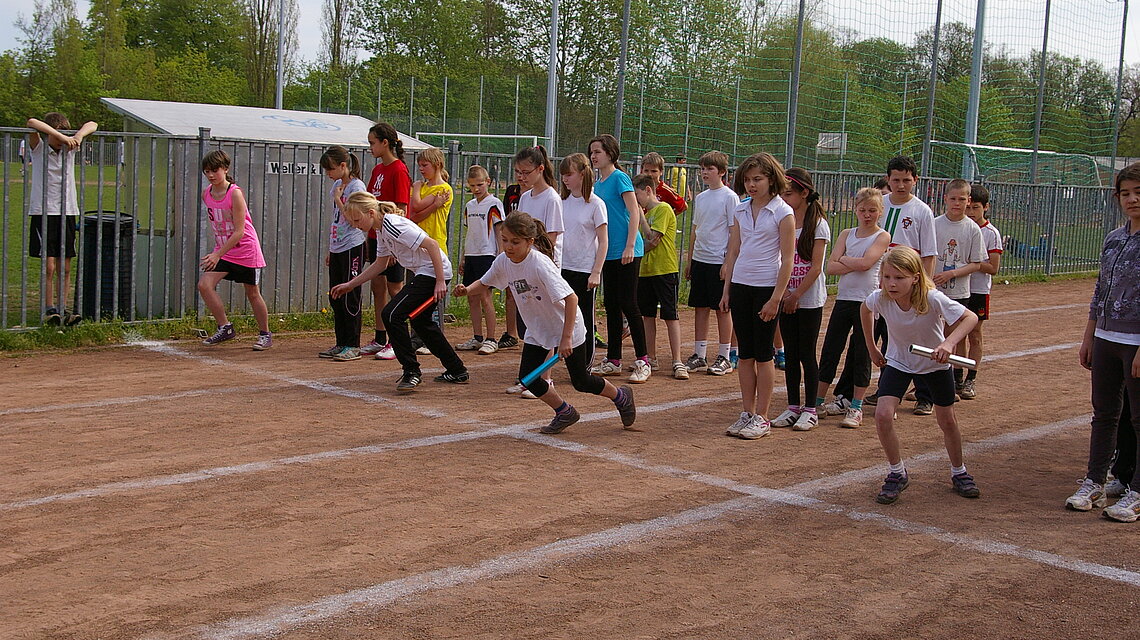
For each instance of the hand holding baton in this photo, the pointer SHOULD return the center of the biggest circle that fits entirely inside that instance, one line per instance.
(539, 370)
(955, 360)
(420, 309)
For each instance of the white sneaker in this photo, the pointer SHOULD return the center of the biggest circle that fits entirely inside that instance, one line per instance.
(720, 367)
(489, 346)
(606, 367)
(741, 422)
(758, 427)
(386, 353)
(371, 349)
(516, 389)
(853, 419)
(641, 373)
(1115, 488)
(423, 351)
(1088, 496)
(806, 422)
(470, 345)
(653, 365)
(1127, 509)
(786, 419)
(836, 407)
(680, 371)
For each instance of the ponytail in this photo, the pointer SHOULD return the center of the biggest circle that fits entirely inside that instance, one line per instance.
(385, 131)
(539, 158)
(524, 226)
(336, 155)
(800, 180)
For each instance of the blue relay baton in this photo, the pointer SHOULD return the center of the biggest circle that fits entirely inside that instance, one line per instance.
(539, 370)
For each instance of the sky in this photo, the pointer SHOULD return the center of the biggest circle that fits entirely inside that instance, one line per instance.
(309, 24)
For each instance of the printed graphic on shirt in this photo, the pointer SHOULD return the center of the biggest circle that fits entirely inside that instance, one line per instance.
(523, 288)
(951, 259)
(800, 268)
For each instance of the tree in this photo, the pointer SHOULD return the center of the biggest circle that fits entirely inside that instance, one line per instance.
(262, 29)
(340, 35)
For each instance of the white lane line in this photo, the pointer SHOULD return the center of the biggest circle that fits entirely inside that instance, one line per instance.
(1057, 307)
(573, 549)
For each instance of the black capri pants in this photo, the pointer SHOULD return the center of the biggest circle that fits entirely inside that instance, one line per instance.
(578, 365)
(620, 281)
(845, 320)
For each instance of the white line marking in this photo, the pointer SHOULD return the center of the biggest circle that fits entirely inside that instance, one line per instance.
(1058, 307)
(386, 593)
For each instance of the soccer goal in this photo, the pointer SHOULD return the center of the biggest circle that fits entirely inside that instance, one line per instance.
(481, 142)
(1013, 164)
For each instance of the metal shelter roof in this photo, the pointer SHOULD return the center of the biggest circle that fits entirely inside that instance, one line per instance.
(251, 123)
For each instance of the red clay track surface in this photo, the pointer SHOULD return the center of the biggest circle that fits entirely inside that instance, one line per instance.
(179, 491)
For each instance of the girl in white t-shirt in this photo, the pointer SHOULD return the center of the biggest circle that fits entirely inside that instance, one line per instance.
(587, 235)
(550, 309)
(540, 199)
(756, 273)
(855, 259)
(914, 312)
(802, 312)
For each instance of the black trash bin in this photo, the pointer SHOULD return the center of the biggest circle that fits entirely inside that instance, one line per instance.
(98, 259)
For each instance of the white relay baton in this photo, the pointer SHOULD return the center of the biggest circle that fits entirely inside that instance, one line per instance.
(955, 360)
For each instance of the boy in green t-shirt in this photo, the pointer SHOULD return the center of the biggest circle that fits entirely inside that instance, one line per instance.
(657, 284)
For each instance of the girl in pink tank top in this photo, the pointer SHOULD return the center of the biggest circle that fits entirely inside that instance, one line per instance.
(237, 253)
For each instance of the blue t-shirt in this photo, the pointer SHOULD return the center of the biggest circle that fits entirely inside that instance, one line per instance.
(610, 191)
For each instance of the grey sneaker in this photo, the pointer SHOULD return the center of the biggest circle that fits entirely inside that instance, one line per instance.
(1090, 495)
(965, 486)
(720, 367)
(371, 349)
(893, 485)
(224, 332)
(696, 363)
(968, 391)
(263, 342)
(561, 421)
(1115, 488)
(837, 407)
(330, 352)
(626, 409)
(346, 354)
(923, 408)
(71, 319)
(470, 345)
(1127, 509)
(741, 422)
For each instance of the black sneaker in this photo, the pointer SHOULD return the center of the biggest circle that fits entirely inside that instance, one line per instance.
(408, 382)
(454, 378)
(892, 487)
(561, 421)
(921, 408)
(627, 409)
(52, 317)
(507, 341)
(71, 319)
(965, 486)
(871, 400)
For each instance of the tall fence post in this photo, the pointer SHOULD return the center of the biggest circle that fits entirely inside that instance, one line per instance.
(597, 96)
(1051, 229)
(203, 141)
(975, 99)
(621, 75)
(411, 106)
(1119, 85)
(688, 114)
(379, 90)
(902, 116)
(794, 88)
(479, 121)
(516, 104)
(1040, 95)
(443, 125)
(641, 117)
(735, 122)
(931, 89)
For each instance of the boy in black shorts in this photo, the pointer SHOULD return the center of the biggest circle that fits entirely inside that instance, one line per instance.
(980, 282)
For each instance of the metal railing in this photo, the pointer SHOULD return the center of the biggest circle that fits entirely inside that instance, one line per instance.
(143, 229)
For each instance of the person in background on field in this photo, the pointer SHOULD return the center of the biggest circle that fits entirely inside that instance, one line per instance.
(914, 312)
(53, 204)
(679, 179)
(712, 217)
(482, 216)
(623, 259)
(855, 259)
(345, 259)
(980, 282)
(653, 165)
(587, 236)
(553, 320)
(961, 254)
(757, 269)
(1111, 351)
(430, 208)
(801, 313)
(657, 285)
(510, 337)
(389, 182)
(398, 239)
(237, 253)
(883, 186)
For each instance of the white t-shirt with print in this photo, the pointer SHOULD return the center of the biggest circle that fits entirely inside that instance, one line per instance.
(582, 220)
(908, 327)
(910, 225)
(758, 262)
(712, 216)
(480, 217)
(401, 238)
(959, 244)
(540, 293)
(816, 295)
(546, 207)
